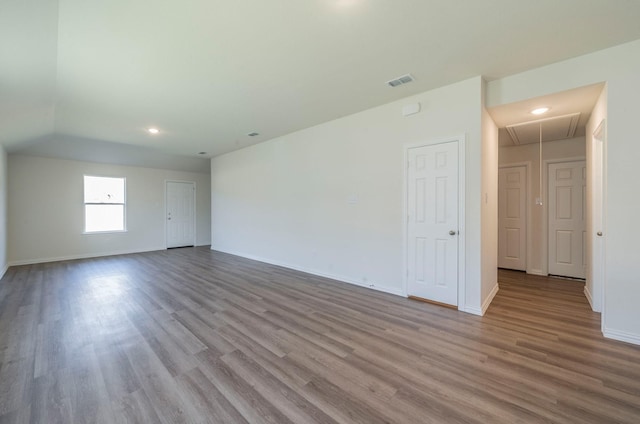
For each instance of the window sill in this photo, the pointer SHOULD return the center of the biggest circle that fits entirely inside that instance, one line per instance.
(103, 232)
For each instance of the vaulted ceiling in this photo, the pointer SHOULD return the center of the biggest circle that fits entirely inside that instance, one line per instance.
(208, 72)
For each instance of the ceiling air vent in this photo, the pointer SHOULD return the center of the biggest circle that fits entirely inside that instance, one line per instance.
(253, 134)
(405, 79)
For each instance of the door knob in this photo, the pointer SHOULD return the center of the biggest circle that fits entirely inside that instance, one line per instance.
(452, 233)
(599, 233)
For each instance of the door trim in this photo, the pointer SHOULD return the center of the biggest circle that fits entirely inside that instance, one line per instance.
(529, 211)
(195, 211)
(545, 205)
(461, 140)
(598, 264)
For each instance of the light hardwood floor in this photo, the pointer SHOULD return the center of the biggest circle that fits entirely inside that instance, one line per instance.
(194, 336)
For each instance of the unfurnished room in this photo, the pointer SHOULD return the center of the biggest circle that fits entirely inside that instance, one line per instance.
(328, 211)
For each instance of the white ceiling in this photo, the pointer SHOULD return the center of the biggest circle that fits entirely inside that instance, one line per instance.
(207, 72)
(580, 100)
(89, 150)
(548, 129)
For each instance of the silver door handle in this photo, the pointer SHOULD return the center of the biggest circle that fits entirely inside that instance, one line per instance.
(452, 233)
(599, 233)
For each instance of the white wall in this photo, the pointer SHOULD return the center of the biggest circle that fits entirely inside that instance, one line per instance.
(594, 291)
(328, 199)
(3, 211)
(46, 213)
(28, 48)
(619, 67)
(571, 148)
(489, 209)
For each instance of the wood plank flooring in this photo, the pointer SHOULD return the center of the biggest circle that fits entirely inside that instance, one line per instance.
(194, 336)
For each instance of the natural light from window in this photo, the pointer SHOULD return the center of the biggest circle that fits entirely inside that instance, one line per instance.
(104, 204)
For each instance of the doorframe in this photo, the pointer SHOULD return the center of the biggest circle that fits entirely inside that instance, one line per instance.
(195, 210)
(528, 230)
(545, 205)
(600, 136)
(461, 140)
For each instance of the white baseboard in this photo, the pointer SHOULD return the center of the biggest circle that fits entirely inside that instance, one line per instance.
(341, 278)
(489, 299)
(536, 272)
(4, 271)
(472, 310)
(622, 336)
(587, 294)
(82, 256)
(485, 305)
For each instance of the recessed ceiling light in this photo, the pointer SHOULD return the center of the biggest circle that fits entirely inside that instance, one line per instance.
(153, 130)
(253, 134)
(202, 153)
(540, 110)
(345, 3)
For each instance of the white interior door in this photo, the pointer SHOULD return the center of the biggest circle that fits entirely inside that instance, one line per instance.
(181, 214)
(432, 206)
(512, 218)
(567, 219)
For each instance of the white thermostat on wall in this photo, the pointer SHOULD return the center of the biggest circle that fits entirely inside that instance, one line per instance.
(412, 109)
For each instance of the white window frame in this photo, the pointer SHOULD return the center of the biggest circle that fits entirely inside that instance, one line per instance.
(124, 206)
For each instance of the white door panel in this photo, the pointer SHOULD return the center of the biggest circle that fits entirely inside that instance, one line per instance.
(432, 204)
(512, 218)
(567, 215)
(180, 214)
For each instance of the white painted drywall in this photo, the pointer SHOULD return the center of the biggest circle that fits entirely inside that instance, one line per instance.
(28, 52)
(46, 213)
(599, 113)
(619, 67)
(89, 150)
(571, 148)
(328, 199)
(3, 211)
(489, 209)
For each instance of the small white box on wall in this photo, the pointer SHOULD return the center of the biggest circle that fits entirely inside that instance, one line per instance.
(412, 109)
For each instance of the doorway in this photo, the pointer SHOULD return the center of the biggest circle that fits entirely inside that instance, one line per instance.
(567, 235)
(512, 217)
(571, 131)
(434, 201)
(180, 213)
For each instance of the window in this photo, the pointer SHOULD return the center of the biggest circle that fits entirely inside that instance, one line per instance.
(104, 201)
